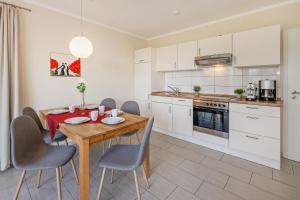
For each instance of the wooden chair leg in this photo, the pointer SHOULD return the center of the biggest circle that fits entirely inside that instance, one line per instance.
(112, 176)
(138, 138)
(74, 170)
(58, 184)
(129, 139)
(137, 185)
(39, 178)
(66, 141)
(145, 177)
(19, 185)
(101, 184)
(61, 172)
(103, 147)
(110, 142)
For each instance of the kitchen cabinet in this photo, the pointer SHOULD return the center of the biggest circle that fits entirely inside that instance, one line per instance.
(166, 58)
(258, 47)
(162, 113)
(182, 120)
(145, 107)
(215, 45)
(143, 55)
(146, 79)
(255, 130)
(186, 55)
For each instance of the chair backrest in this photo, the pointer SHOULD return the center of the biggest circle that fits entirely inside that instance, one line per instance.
(28, 111)
(26, 140)
(131, 107)
(109, 103)
(145, 142)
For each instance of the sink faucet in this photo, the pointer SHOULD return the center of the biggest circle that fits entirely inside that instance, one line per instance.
(175, 90)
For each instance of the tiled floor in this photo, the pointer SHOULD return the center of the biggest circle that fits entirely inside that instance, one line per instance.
(180, 171)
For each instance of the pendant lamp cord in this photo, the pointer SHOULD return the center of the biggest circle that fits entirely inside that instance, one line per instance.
(81, 23)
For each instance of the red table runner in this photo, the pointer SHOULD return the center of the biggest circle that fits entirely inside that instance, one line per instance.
(54, 120)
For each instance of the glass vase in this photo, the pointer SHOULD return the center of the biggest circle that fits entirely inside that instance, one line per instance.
(82, 105)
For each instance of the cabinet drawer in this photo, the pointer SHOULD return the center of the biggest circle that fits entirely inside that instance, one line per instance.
(183, 102)
(255, 109)
(259, 125)
(262, 146)
(161, 99)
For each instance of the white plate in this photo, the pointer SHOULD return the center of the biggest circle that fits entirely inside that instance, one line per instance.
(91, 107)
(77, 120)
(113, 120)
(58, 111)
(120, 112)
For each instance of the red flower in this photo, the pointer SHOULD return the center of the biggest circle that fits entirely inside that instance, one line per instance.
(75, 66)
(53, 63)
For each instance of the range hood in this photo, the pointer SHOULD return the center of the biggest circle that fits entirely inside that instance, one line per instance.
(214, 60)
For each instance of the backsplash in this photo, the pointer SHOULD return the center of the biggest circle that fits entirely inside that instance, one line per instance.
(221, 80)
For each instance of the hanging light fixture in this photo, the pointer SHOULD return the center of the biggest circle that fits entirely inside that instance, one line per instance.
(80, 46)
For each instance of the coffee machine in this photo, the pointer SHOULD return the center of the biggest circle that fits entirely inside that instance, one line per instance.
(251, 91)
(267, 90)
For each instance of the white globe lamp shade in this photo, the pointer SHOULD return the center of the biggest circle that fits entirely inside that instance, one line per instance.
(81, 47)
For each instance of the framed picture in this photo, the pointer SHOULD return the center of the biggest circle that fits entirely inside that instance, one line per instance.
(64, 65)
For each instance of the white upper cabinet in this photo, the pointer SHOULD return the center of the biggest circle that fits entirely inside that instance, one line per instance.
(142, 55)
(186, 54)
(215, 45)
(257, 47)
(166, 58)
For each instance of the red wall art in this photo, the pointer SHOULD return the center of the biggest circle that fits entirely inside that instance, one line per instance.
(64, 65)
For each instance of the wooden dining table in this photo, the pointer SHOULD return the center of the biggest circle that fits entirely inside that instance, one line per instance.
(87, 134)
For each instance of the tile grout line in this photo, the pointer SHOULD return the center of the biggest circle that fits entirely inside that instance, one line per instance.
(172, 192)
(28, 189)
(251, 177)
(226, 183)
(199, 187)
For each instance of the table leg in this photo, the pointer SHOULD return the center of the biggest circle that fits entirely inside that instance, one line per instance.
(84, 169)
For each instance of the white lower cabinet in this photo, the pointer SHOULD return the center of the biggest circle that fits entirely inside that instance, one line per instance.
(162, 113)
(255, 144)
(182, 120)
(255, 130)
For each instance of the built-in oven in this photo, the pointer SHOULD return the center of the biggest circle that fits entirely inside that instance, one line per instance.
(211, 117)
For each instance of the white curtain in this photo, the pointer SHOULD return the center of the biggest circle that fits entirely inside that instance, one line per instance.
(9, 78)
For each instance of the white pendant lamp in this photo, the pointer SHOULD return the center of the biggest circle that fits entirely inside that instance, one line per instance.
(80, 46)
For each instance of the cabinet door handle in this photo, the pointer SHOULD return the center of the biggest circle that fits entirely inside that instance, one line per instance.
(148, 106)
(234, 59)
(170, 109)
(175, 64)
(199, 51)
(254, 108)
(141, 60)
(190, 112)
(249, 117)
(181, 100)
(251, 137)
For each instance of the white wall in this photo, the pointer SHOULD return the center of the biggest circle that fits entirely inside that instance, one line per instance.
(221, 80)
(108, 72)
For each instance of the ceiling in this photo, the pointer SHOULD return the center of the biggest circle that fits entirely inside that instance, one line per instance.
(152, 18)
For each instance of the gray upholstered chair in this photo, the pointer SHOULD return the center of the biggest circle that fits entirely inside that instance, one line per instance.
(28, 111)
(131, 107)
(30, 152)
(109, 103)
(59, 137)
(125, 157)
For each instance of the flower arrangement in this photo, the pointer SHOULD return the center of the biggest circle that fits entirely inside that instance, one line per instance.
(81, 87)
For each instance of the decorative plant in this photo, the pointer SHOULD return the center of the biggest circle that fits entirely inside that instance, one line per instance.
(197, 89)
(239, 92)
(81, 88)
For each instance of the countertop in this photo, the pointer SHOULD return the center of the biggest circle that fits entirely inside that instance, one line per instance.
(232, 98)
